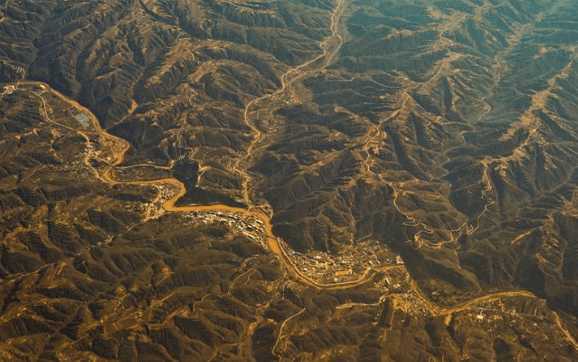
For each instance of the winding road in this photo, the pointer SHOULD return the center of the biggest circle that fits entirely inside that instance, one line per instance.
(330, 46)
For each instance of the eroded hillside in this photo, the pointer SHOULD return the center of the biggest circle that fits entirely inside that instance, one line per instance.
(288, 180)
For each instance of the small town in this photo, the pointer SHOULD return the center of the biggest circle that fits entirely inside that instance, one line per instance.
(349, 264)
(251, 227)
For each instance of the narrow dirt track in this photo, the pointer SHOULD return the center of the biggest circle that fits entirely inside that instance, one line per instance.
(330, 46)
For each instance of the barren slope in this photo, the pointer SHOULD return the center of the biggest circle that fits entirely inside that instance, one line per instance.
(233, 180)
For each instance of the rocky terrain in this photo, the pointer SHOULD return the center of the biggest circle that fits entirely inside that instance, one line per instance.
(310, 180)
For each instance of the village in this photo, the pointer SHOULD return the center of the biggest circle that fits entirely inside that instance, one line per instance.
(349, 264)
(251, 227)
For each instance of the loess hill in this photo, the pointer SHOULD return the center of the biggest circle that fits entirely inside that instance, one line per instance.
(170, 170)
